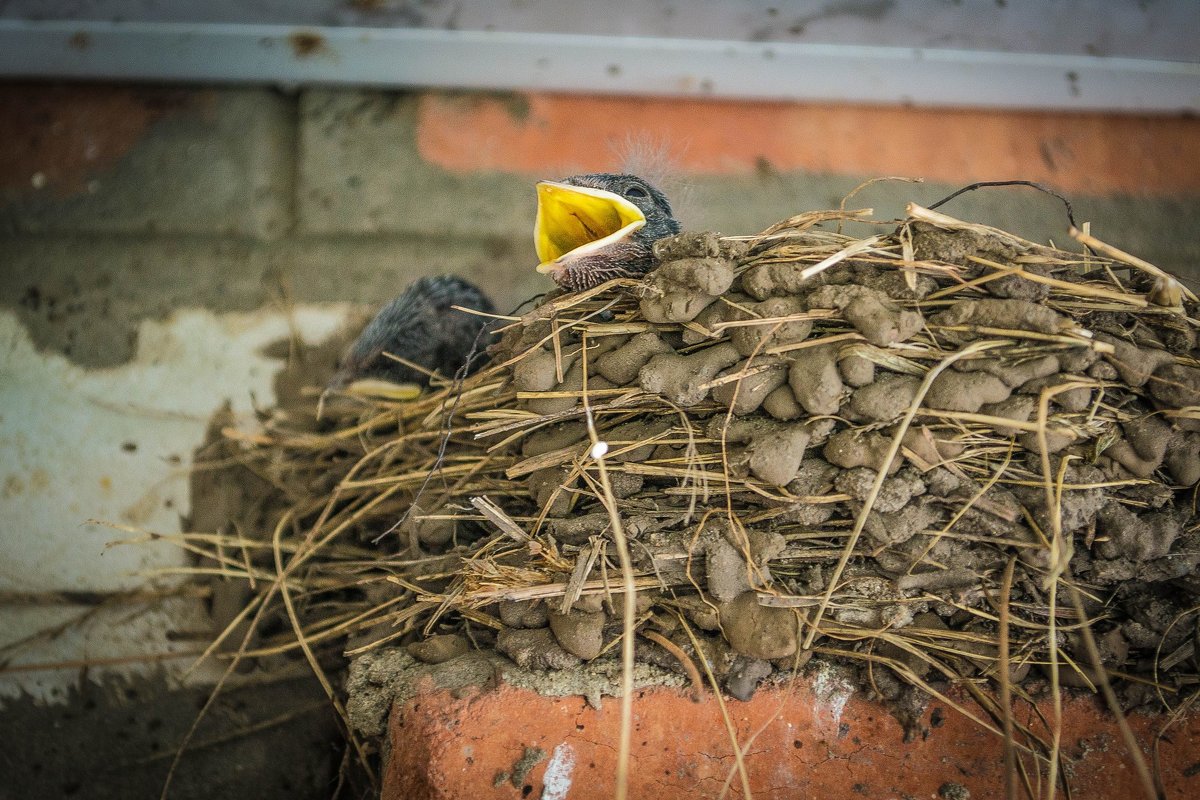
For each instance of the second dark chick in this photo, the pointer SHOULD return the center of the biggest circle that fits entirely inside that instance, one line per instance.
(422, 327)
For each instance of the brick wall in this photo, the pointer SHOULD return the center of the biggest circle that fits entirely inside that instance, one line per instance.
(136, 201)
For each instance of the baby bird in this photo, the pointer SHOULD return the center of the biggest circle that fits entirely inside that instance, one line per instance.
(593, 228)
(424, 332)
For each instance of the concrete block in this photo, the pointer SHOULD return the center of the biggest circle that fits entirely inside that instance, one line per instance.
(373, 270)
(360, 172)
(85, 295)
(119, 160)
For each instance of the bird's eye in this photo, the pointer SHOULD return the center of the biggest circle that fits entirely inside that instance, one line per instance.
(635, 191)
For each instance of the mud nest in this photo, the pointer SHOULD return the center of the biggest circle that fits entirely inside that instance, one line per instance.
(942, 455)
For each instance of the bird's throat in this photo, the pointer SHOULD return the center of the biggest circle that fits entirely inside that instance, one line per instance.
(575, 221)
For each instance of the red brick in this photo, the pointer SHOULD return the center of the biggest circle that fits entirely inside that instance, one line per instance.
(805, 747)
(71, 133)
(554, 134)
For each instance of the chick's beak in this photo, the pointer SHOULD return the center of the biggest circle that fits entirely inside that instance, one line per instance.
(373, 387)
(576, 220)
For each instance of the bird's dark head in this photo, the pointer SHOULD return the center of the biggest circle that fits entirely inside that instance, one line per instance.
(593, 228)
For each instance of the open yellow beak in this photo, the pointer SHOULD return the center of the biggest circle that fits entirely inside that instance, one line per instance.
(576, 220)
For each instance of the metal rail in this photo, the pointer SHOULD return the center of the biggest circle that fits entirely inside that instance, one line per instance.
(506, 60)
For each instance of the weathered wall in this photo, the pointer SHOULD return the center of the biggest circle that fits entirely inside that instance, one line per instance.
(154, 241)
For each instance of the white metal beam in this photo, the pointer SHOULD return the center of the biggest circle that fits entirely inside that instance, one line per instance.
(405, 57)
